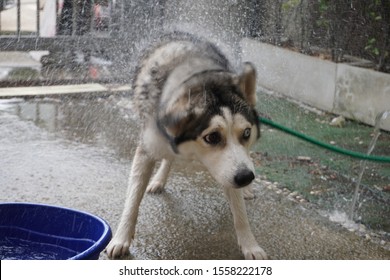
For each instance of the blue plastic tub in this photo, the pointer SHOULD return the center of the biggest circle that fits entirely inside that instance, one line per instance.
(43, 232)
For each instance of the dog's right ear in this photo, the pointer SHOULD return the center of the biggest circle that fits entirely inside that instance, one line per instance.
(173, 123)
(174, 116)
(247, 83)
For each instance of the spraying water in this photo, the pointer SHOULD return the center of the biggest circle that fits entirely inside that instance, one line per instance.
(381, 116)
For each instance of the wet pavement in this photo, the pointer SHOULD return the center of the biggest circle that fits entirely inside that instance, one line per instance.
(77, 153)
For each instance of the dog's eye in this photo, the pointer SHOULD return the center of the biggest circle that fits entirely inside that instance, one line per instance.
(213, 138)
(246, 134)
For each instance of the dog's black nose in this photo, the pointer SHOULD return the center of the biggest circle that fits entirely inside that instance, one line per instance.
(243, 177)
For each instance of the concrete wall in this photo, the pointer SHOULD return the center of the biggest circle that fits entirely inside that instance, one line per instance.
(353, 92)
(361, 93)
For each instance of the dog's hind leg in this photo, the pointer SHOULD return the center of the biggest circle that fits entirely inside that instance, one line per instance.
(141, 171)
(246, 240)
(159, 179)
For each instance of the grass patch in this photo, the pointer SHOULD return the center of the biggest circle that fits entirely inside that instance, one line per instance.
(327, 178)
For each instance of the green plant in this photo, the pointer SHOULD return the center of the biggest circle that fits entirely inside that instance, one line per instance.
(372, 47)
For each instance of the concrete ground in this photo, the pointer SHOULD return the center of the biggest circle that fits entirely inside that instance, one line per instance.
(77, 153)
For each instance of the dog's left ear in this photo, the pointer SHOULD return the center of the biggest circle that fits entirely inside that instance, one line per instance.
(247, 83)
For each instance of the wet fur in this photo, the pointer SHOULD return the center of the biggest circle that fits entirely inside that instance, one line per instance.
(192, 105)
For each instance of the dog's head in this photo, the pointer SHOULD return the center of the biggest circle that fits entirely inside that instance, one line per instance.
(211, 117)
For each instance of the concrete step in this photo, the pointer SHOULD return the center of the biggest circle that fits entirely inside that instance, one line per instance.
(80, 89)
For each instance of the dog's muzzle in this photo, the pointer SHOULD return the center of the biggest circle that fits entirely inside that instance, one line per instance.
(244, 177)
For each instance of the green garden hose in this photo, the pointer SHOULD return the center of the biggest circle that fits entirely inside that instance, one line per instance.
(324, 145)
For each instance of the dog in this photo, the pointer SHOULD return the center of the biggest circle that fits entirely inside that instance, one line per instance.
(192, 105)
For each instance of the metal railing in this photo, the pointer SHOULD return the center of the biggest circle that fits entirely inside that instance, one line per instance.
(76, 24)
(114, 32)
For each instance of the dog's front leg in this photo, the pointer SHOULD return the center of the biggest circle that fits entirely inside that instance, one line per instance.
(141, 171)
(246, 240)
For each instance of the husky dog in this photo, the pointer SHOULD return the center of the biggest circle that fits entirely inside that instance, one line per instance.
(192, 105)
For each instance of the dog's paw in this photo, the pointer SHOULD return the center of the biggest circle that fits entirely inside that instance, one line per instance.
(254, 253)
(249, 247)
(155, 187)
(248, 193)
(117, 248)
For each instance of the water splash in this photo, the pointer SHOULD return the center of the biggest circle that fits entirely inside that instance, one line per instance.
(343, 219)
(378, 120)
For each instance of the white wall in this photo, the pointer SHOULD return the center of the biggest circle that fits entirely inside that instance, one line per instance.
(353, 92)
